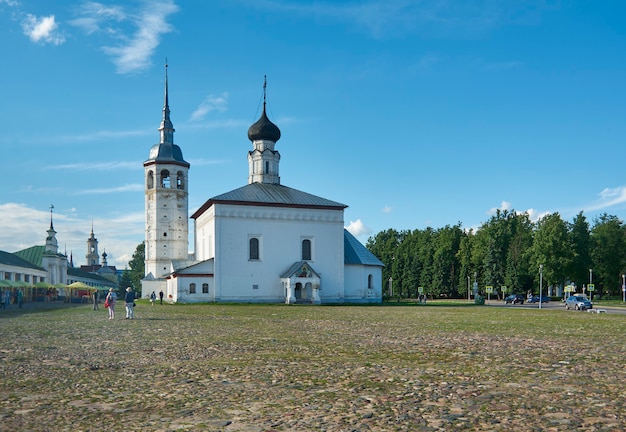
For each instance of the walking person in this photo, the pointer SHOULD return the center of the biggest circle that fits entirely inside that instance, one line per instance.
(130, 303)
(94, 297)
(7, 298)
(20, 298)
(161, 296)
(111, 298)
(152, 298)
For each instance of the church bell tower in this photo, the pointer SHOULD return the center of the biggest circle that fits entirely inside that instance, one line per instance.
(92, 249)
(166, 201)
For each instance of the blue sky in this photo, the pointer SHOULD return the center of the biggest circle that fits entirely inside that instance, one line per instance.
(413, 113)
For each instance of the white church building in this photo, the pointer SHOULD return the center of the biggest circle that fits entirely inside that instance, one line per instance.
(261, 243)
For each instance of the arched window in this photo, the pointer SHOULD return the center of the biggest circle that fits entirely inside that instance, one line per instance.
(370, 281)
(150, 180)
(192, 288)
(180, 180)
(205, 288)
(306, 250)
(254, 248)
(165, 179)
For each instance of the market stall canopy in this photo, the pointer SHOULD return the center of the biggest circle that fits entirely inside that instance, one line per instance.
(80, 285)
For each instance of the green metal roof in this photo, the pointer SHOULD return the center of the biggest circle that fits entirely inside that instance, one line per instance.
(16, 260)
(76, 272)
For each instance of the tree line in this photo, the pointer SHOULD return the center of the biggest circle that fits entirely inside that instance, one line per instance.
(508, 250)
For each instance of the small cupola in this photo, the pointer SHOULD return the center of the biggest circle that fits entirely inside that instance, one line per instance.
(263, 160)
(263, 129)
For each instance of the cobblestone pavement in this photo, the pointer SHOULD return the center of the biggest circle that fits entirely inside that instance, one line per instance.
(303, 368)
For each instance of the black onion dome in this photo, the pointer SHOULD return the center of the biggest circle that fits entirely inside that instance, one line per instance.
(264, 129)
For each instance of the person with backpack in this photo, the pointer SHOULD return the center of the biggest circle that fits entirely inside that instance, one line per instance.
(109, 303)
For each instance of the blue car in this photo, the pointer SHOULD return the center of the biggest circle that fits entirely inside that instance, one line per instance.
(535, 299)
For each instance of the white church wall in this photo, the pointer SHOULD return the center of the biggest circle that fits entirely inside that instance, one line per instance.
(204, 238)
(356, 284)
(280, 232)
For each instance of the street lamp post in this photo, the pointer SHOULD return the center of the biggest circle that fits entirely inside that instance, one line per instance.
(590, 284)
(540, 282)
(624, 288)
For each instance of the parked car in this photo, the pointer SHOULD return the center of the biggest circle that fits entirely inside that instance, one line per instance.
(578, 302)
(514, 299)
(535, 299)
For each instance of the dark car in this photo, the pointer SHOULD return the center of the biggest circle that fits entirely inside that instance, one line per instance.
(514, 299)
(578, 302)
(535, 299)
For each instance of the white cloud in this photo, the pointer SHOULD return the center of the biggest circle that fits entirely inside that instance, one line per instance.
(43, 30)
(137, 187)
(357, 228)
(609, 197)
(133, 55)
(211, 103)
(504, 205)
(535, 215)
(96, 15)
(387, 209)
(96, 166)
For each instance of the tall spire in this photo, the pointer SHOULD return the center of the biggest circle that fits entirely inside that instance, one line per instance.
(51, 207)
(51, 241)
(264, 90)
(167, 128)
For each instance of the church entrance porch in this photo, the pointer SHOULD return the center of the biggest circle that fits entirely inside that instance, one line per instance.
(301, 284)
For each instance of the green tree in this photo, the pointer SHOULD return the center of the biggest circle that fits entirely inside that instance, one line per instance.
(608, 254)
(551, 249)
(581, 250)
(464, 258)
(137, 267)
(125, 281)
(445, 267)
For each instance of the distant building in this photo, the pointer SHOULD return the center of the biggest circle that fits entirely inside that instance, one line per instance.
(263, 242)
(16, 268)
(45, 264)
(92, 266)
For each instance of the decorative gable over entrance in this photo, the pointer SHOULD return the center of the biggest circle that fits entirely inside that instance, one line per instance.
(301, 284)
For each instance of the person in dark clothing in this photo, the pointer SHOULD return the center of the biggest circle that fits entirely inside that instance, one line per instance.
(130, 303)
(161, 296)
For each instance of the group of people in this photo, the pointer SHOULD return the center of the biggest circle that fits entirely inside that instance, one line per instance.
(129, 302)
(18, 298)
